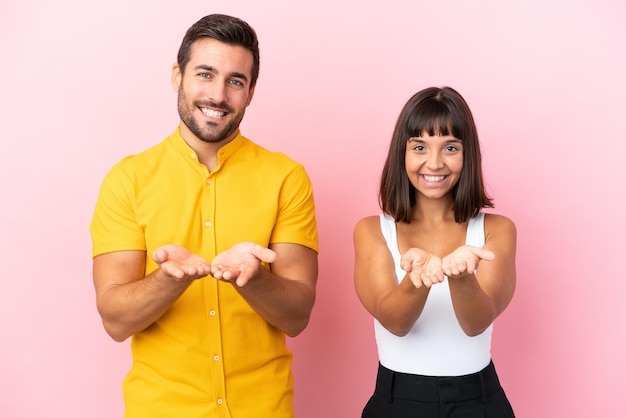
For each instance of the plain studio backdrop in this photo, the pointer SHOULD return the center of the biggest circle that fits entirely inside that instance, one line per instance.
(85, 83)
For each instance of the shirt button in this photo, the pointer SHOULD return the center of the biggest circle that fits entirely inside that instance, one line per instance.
(208, 181)
(220, 401)
(212, 313)
(216, 358)
(207, 223)
(193, 156)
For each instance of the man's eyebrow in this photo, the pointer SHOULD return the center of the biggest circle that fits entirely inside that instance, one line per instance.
(239, 75)
(213, 70)
(204, 67)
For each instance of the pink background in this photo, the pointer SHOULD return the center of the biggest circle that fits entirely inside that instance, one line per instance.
(84, 83)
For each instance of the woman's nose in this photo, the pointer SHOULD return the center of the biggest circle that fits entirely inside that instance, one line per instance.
(434, 161)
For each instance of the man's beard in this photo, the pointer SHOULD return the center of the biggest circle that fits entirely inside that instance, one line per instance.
(209, 133)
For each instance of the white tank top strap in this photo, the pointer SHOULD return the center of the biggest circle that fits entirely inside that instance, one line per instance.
(476, 231)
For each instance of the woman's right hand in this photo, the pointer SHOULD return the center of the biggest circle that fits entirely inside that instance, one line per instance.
(423, 268)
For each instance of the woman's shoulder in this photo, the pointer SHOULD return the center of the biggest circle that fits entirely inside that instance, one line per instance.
(368, 227)
(368, 222)
(499, 223)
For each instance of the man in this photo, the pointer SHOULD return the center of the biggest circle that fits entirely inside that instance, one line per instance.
(205, 247)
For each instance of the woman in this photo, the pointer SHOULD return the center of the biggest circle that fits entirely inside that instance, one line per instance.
(434, 270)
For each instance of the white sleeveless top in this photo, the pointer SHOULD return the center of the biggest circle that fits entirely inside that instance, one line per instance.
(436, 345)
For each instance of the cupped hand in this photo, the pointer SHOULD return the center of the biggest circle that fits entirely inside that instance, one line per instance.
(464, 260)
(180, 263)
(241, 262)
(423, 268)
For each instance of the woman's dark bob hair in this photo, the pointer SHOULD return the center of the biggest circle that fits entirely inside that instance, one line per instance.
(434, 111)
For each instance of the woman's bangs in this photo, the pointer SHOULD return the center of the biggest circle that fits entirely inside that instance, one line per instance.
(432, 119)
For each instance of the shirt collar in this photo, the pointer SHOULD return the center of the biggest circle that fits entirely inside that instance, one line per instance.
(223, 154)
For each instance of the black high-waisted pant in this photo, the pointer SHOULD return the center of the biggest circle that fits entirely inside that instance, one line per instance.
(402, 395)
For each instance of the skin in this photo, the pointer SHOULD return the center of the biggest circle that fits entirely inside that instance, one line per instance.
(482, 280)
(215, 80)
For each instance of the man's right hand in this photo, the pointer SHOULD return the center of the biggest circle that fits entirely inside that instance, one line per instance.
(129, 301)
(180, 264)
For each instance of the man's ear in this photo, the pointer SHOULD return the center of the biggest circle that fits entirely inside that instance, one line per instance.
(177, 77)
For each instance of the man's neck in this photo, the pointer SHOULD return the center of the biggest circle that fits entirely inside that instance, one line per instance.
(205, 151)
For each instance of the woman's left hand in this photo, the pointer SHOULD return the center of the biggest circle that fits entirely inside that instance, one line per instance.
(464, 260)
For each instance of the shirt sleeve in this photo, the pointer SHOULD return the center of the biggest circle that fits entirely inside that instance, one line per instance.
(114, 226)
(296, 221)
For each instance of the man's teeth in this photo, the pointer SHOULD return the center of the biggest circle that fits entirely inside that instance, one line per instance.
(434, 179)
(213, 113)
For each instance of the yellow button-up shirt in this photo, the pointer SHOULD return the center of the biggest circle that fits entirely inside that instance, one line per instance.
(210, 354)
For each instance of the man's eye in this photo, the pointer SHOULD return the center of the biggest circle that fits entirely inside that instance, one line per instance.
(237, 83)
(204, 75)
